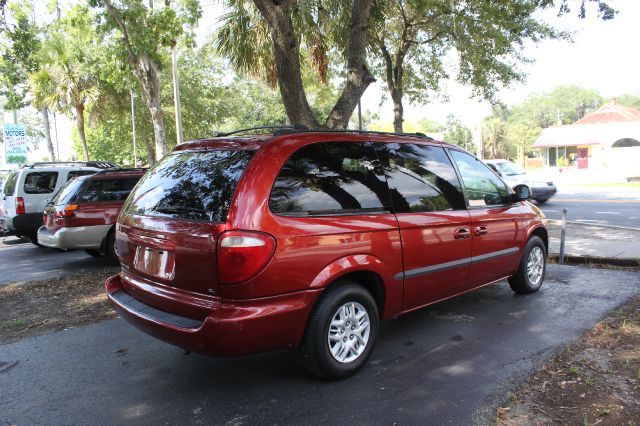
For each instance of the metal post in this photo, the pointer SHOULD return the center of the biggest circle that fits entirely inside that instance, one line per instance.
(176, 93)
(562, 235)
(133, 125)
(359, 115)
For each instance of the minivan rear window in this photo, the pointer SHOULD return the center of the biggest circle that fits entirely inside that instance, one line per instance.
(68, 193)
(10, 184)
(190, 185)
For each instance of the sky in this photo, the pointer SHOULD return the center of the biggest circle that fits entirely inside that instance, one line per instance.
(603, 56)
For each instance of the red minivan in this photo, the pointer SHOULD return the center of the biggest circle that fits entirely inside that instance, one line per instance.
(307, 239)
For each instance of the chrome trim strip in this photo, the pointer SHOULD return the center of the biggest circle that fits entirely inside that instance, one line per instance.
(453, 264)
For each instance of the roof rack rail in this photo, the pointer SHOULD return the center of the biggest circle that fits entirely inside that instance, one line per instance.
(97, 164)
(289, 130)
(122, 169)
(296, 127)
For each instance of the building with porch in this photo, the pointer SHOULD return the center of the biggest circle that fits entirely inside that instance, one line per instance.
(608, 138)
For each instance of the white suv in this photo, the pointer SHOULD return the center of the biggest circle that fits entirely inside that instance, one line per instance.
(27, 191)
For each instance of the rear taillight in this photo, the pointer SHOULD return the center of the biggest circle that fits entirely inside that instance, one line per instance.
(20, 206)
(67, 211)
(242, 254)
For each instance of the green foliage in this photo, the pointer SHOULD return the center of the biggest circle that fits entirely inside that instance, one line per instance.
(18, 53)
(457, 133)
(631, 101)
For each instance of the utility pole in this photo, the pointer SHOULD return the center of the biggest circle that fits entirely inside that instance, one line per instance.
(133, 125)
(176, 93)
(359, 115)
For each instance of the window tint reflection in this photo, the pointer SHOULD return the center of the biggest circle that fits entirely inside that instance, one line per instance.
(330, 178)
(421, 178)
(190, 185)
(482, 186)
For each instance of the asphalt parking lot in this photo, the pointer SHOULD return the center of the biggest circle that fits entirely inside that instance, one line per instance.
(447, 364)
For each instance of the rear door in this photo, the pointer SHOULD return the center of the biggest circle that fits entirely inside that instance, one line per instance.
(497, 222)
(37, 189)
(434, 222)
(8, 197)
(169, 226)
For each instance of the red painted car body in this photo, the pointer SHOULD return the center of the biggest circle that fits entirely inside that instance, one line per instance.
(83, 213)
(170, 286)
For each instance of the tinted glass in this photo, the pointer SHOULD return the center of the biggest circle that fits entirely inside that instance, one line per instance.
(68, 193)
(75, 173)
(10, 184)
(482, 186)
(421, 178)
(40, 182)
(190, 185)
(331, 178)
(105, 190)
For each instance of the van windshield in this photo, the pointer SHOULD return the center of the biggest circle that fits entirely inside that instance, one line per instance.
(191, 185)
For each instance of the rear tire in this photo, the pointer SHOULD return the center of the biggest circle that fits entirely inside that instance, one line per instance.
(541, 200)
(95, 253)
(341, 331)
(532, 268)
(111, 245)
(33, 239)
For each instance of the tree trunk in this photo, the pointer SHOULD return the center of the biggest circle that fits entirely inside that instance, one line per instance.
(358, 75)
(147, 72)
(151, 153)
(47, 133)
(286, 51)
(80, 124)
(398, 110)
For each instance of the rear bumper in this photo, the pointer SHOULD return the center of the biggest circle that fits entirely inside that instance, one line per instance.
(81, 237)
(21, 224)
(543, 192)
(231, 328)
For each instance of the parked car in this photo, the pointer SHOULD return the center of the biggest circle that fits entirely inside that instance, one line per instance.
(28, 190)
(541, 189)
(307, 239)
(83, 213)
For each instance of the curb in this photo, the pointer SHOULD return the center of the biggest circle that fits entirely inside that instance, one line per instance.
(596, 225)
(577, 259)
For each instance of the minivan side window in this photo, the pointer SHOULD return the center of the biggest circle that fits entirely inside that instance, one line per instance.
(482, 186)
(40, 182)
(421, 178)
(105, 190)
(331, 178)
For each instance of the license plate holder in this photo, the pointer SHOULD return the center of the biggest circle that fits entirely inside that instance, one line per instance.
(156, 262)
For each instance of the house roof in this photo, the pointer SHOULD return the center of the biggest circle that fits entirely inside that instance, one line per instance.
(587, 134)
(602, 127)
(610, 113)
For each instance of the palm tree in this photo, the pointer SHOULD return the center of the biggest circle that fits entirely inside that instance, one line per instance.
(66, 80)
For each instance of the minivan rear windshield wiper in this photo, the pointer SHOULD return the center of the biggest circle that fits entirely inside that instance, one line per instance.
(178, 209)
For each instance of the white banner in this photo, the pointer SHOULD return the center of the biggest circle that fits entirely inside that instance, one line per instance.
(15, 143)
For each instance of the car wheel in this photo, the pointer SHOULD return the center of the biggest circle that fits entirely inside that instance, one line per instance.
(94, 253)
(111, 245)
(532, 268)
(341, 332)
(541, 200)
(33, 239)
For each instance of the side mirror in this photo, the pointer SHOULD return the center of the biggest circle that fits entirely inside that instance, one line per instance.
(522, 193)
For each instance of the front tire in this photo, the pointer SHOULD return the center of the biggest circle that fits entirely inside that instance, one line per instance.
(341, 332)
(532, 268)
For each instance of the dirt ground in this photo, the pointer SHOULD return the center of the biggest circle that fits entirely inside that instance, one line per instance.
(51, 305)
(595, 380)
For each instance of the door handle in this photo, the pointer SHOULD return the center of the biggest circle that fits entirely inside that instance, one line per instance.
(461, 233)
(480, 230)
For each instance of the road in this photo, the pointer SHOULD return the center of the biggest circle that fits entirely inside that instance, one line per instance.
(25, 262)
(618, 207)
(446, 364)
